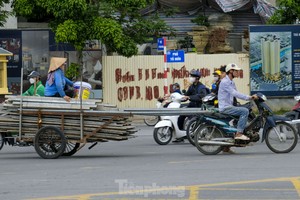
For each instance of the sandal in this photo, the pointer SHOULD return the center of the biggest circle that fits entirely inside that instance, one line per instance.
(241, 137)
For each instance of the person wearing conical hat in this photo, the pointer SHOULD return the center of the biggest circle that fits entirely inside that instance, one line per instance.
(56, 80)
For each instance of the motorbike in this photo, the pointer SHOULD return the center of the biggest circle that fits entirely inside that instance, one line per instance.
(152, 120)
(167, 127)
(295, 113)
(210, 102)
(215, 131)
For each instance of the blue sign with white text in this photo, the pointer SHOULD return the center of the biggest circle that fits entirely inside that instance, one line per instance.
(160, 44)
(175, 56)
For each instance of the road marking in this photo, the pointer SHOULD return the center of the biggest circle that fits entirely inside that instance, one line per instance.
(296, 184)
(194, 193)
(246, 189)
(193, 189)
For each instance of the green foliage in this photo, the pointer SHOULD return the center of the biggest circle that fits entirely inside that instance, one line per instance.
(73, 71)
(201, 20)
(3, 13)
(288, 12)
(187, 42)
(171, 11)
(118, 24)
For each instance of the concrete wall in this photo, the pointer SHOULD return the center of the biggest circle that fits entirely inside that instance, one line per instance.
(136, 82)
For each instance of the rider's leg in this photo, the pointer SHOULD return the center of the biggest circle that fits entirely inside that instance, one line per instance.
(243, 113)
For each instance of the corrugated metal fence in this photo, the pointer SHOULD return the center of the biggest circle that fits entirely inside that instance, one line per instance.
(136, 82)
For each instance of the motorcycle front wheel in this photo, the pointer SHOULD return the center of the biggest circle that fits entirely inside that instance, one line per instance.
(190, 130)
(207, 132)
(162, 135)
(282, 138)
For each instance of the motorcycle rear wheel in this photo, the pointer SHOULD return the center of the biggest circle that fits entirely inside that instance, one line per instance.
(162, 135)
(151, 120)
(208, 132)
(288, 135)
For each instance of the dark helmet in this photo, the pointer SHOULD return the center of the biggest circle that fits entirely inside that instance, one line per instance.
(176, 85)
(34, 74)
(223, 68)
(195, 73)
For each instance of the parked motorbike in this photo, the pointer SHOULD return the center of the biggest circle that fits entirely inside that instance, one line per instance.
(215, 131)
(168, 128)
(295, 113)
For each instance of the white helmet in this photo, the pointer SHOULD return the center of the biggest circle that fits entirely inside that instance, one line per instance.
(232, 66)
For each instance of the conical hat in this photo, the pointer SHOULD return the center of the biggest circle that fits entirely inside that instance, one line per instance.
(56, 62)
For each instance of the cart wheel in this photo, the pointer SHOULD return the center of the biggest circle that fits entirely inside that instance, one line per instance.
(49, 142)
(71, 148)
(1, 140)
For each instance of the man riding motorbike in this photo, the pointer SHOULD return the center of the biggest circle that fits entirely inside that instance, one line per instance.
(197, 90)
(194, 94)
(226, 94)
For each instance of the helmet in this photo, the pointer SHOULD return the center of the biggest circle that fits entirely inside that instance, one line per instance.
(232, 66)
(176, 85)
(195, 73)
(34, 74)
(217, 72)
(223, 68)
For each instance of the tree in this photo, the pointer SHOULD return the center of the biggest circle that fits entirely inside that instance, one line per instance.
(118, 24)
(3, 13)
(288, 12)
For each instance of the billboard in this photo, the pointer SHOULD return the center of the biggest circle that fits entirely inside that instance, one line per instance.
(274, 59)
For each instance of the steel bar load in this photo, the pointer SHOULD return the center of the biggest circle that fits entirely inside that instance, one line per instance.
(107, 122)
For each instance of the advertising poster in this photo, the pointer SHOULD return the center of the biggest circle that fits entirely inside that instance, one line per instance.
(11, 40)
(274, 59)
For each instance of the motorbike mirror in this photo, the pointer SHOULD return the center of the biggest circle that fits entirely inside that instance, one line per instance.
(261, 97)
(297, 97)
(209, 97)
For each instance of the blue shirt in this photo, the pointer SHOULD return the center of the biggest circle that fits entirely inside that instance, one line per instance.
(58, 85)
(227, 91)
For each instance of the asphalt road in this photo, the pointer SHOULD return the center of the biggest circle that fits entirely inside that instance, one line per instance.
(141, 169)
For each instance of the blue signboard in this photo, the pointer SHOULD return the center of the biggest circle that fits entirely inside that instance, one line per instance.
(274, 59)
(160, 44)
(175, 56)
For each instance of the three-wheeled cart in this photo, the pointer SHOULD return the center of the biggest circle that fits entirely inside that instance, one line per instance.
(55, 127)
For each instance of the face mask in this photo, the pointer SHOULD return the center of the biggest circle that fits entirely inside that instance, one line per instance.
(32, 80)
(192, 79)
(216, 78)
